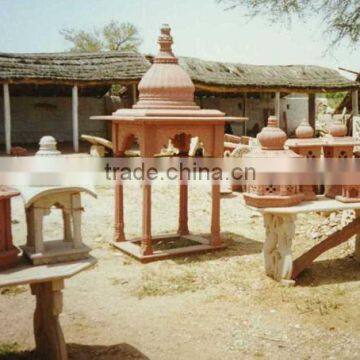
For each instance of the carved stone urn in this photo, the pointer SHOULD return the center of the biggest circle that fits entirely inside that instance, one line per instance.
(338, 129)
(272, 137)
(304, 130)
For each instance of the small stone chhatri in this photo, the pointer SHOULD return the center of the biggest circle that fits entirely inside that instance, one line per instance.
(39, 202)
(272, 140)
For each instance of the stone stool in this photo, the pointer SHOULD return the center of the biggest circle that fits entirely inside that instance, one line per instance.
(38, 203)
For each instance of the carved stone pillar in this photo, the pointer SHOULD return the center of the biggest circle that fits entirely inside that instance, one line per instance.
(280, 230)
(119, 212)
(49, 338)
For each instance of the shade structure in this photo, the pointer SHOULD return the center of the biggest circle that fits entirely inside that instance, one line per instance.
(165, 111)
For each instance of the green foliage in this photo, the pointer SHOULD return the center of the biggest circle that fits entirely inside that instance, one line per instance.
(335, 98)
(114, 36)
(9, 349)
(341, 17)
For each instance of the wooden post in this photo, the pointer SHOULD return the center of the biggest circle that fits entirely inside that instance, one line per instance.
(7, 117)
(134, 93)
(277, 105)
(355, 102)
(75, 118)
(312, 110)
(244, 114)
(244, 104)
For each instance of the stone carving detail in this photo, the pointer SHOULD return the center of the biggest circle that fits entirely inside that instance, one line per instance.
(280, 230)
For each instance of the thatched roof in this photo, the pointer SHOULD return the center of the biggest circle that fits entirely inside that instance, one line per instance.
(94, 69)
(242, 77)
(68, 68)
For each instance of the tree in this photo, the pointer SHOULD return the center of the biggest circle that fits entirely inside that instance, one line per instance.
(341, 17)
(114, 36)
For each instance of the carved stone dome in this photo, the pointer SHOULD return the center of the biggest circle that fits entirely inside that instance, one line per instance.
(304, 130)
(272, 137)
(166, 85)
(338, 129)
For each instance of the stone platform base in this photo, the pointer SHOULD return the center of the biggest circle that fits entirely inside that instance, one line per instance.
(346, 199)
(272, 200)
(56, 251)
(133, 247)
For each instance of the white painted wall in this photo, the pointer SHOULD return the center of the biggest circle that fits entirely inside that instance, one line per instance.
(34, 117)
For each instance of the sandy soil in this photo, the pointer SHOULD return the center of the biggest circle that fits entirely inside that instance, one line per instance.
(212, 306)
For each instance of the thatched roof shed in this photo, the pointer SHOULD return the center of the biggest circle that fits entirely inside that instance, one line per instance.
(106, 68)
(69, 68)
(225, 77)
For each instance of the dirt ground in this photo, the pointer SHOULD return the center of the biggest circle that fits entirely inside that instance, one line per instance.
(212, 306)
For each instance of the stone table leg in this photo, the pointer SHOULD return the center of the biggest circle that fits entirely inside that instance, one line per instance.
(280, 230)
(49, 338)
(119, 213)
(357, 241)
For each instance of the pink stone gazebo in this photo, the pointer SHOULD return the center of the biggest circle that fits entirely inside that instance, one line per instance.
(166, 110)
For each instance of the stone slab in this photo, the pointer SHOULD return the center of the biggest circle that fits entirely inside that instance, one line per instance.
(321, 204)
(26, 273)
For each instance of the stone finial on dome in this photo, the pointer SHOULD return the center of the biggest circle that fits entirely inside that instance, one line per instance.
(272, 137)
(165, 41)
(166, 85)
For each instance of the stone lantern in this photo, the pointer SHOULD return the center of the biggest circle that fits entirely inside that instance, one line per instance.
(272, 140)
(8, 252)
(340, 146)
(307, 146)
(166, 110)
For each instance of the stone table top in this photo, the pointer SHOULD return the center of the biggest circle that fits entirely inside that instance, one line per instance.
(26, 273)
(321, 204)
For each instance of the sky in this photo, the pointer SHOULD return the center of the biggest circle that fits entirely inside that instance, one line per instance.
(201, 28)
